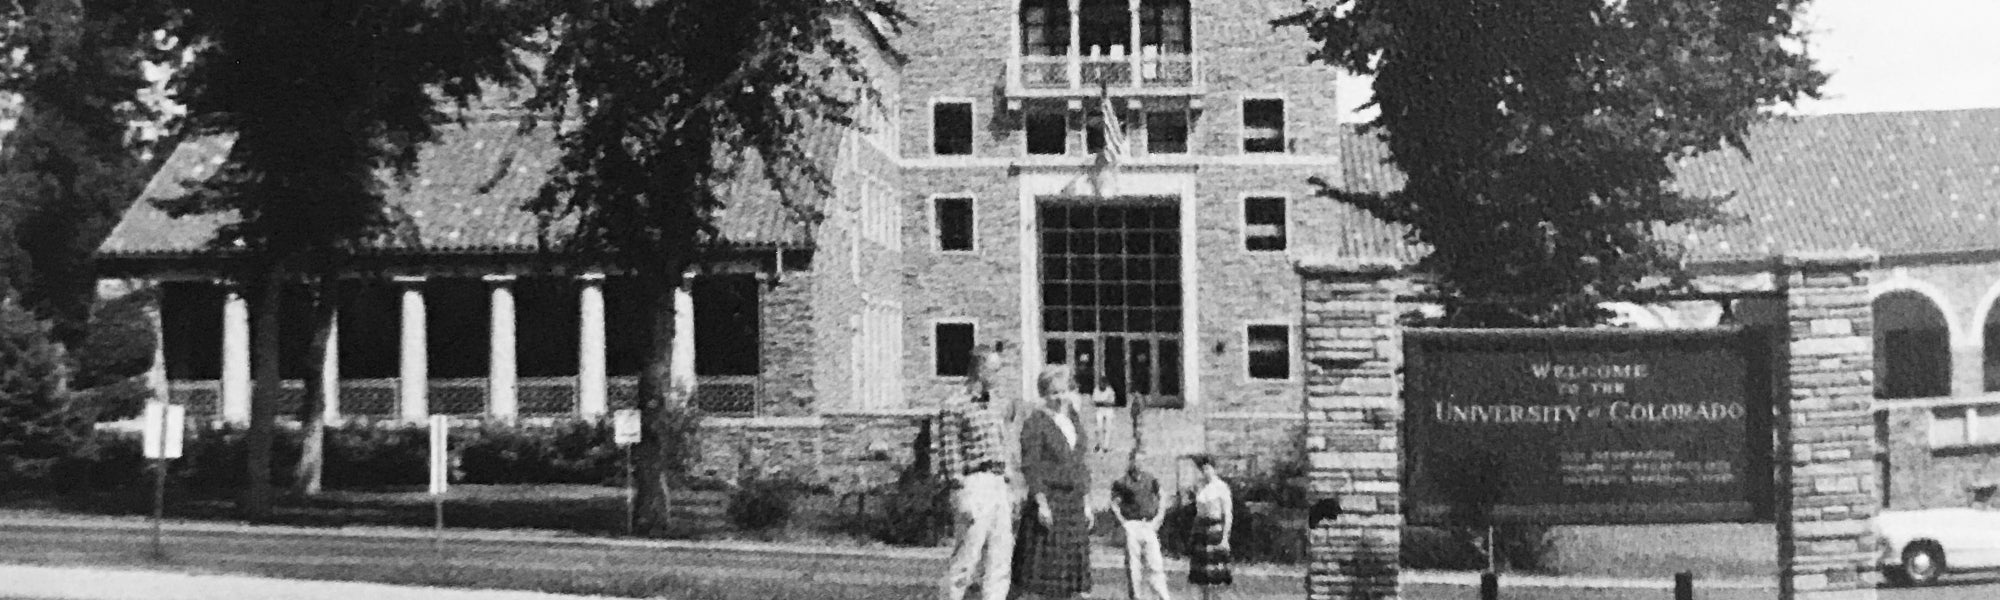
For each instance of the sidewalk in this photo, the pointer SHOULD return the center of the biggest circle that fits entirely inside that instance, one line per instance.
(1105, 560)
(77, 583)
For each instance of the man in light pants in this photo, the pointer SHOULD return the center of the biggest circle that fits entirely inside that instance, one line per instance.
(971, 454)
(1137, 501)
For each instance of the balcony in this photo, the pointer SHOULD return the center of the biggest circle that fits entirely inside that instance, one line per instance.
(1076, 76)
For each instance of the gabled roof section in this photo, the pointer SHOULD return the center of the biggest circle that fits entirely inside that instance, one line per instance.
(1905, 183)
(467, 197)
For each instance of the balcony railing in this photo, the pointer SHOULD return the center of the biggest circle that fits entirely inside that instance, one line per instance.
(1078, 75)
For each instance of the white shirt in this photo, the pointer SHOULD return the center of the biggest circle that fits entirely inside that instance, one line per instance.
(1062, 422)
(1213, 498)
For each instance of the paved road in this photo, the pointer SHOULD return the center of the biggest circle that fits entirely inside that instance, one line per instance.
(332, 554)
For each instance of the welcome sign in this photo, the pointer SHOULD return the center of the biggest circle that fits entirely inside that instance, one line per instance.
(1587, 426)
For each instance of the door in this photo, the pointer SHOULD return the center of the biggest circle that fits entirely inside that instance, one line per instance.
(1111, 294)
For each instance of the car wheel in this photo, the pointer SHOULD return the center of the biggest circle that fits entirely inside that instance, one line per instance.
(1922, 564)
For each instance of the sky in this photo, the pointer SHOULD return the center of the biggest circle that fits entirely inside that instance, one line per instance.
(1883, 55)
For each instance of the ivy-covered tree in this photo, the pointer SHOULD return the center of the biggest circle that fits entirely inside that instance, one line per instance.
(1538, 136)
(321, 98)
(658, 104)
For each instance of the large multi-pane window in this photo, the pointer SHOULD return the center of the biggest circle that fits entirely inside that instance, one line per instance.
(1111, 295)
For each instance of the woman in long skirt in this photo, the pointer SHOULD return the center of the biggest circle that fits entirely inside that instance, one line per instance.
(1214, 518)
(1052, 554)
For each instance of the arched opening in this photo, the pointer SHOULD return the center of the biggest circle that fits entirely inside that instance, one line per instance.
(1990, 332)
(1912, 347)
(1045, 27)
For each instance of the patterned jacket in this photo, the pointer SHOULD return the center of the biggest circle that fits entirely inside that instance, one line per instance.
(969, 438)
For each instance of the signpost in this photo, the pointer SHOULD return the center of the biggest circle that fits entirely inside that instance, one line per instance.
(1587, 426)
(164, 430)
(625, 433)
(440, 473)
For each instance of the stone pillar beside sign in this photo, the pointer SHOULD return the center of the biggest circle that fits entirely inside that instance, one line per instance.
(1353, 352)
(1826, 480)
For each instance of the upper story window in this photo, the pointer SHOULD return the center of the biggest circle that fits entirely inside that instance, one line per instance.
(1263, 224)
(955, 224)
(1269, 351)
(1263, 125)
(1045, 27)
(1167, 132)
(1104, 27)
(951, 128)
(1048, 133)
(1163, 26)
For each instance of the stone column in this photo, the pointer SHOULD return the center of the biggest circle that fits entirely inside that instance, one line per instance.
(590, 377)
(329, 374)
(682, 368)
(503, 400)
(1826, 475)
(1076, 52)
(1353, 408)
(235, 356)
(413, 379)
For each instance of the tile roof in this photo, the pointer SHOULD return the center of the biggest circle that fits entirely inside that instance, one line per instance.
(1906, 183)
(465, 198)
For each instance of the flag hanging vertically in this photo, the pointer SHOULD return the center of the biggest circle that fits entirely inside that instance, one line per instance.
(1105, 173)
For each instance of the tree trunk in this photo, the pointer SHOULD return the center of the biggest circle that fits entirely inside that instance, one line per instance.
(312, 415)
(659, 405)
(257, 496)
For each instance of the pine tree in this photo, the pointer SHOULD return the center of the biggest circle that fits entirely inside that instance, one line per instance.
(37, 429)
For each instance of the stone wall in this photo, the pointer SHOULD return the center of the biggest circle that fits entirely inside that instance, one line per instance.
(845, 451)
(789, 350)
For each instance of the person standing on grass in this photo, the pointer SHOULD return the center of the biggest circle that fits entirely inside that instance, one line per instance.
(971, 456)
(1214, 519)
(1052, 560)
(1135, 501)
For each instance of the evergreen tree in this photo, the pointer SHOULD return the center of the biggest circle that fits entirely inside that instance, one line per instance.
(37, 429)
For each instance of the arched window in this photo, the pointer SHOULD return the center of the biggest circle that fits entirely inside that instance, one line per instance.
(1912, 347)
(1045, 27)
(1104, 26)
(1163, 26)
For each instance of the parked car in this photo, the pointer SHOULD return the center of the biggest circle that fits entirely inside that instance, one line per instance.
(1919, 546)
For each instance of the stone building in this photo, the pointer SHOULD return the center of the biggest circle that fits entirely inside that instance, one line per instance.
(970, 212)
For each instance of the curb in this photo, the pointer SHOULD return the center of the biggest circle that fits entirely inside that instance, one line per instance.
(1102, 559)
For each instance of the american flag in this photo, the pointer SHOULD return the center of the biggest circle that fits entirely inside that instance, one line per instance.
(1114, 151)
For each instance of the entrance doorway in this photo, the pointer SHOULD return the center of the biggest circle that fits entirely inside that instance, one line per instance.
(1111, 294)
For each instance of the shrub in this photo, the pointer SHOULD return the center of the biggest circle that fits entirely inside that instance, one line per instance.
(764, 502)
(567, 452)
(118, 344)
(1276, 535)
(1522, 547)
(911, 512)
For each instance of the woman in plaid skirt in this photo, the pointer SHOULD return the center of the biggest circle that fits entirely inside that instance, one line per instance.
(1214, 517)
(1052, 552)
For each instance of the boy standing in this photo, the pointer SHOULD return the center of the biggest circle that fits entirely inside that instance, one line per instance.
(1136, 501)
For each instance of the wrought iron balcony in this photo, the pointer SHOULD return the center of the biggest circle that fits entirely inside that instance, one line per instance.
(1077, 76)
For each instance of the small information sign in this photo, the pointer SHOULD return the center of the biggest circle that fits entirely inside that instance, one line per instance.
(166, 425)
(440, 453)
(625, 427)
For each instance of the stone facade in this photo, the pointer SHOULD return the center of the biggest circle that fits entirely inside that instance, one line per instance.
(848, 452)
(1353, 412)
(1826, 480)
(1921, 472)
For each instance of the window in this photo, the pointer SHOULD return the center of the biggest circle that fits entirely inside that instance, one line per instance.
(951, 128)
(1163, 24)
(1048, 133)
(954, 349)
(1264, 224)
(1977, 425)
(1264, 125)
(954, 224)
(1270, 351)
(726, 325)
(1166, 132)
(1045, 27)
(1104, 25)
